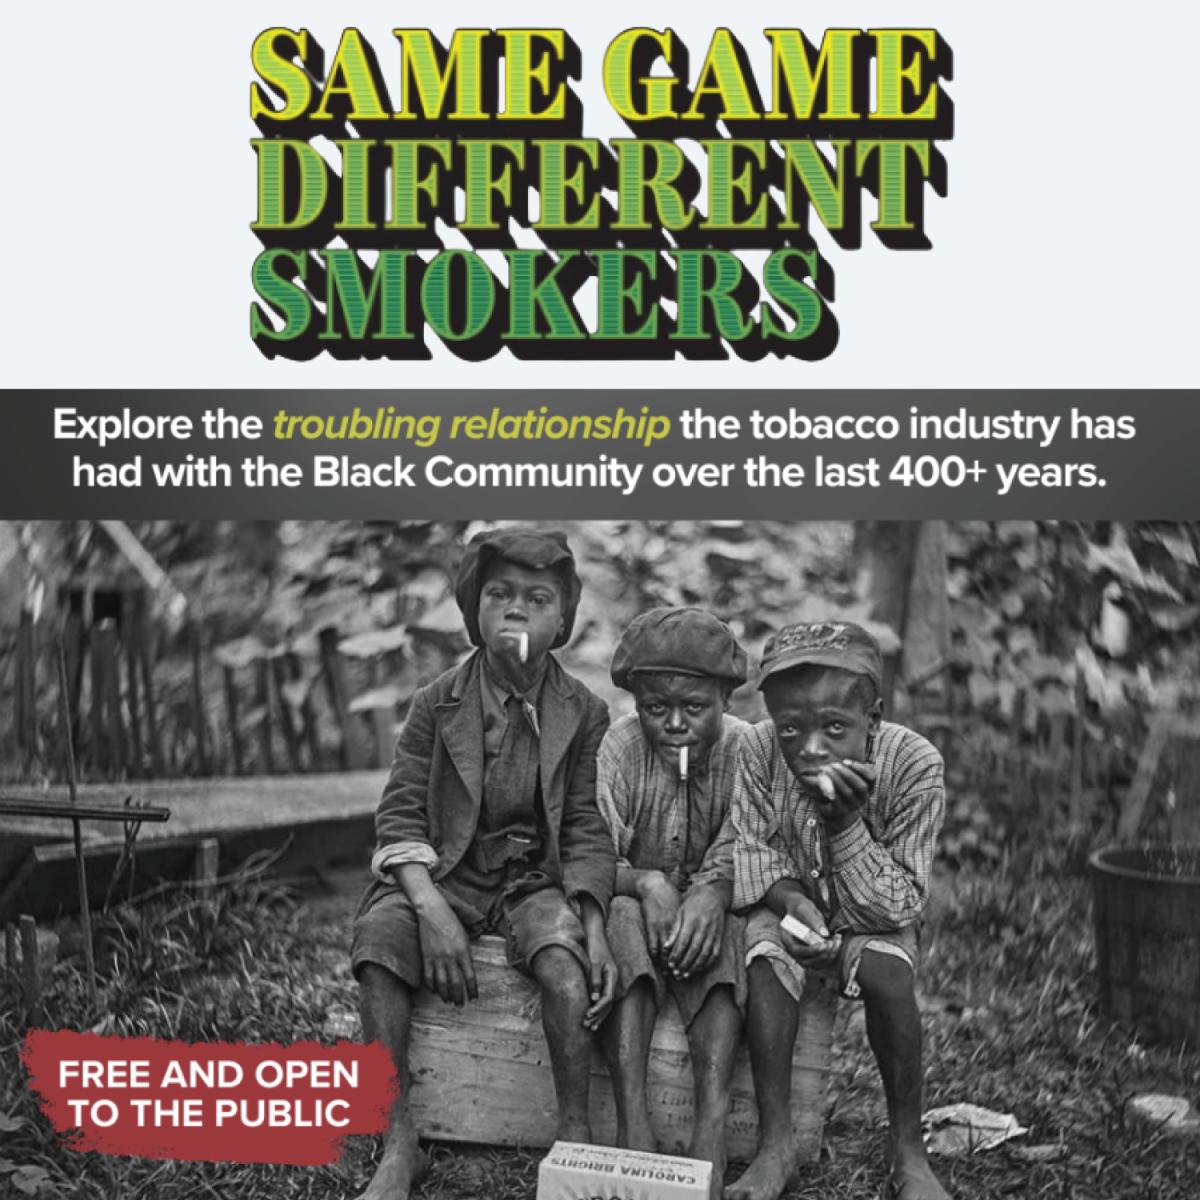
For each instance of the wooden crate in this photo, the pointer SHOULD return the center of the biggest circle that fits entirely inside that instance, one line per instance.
(481, 1073)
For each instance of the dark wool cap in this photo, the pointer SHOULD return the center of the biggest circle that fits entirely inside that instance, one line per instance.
(527, 546)
(839, 644)
(685, 641)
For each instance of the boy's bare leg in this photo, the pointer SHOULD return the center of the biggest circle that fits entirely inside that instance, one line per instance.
(564, 1003)
(385, 1004)
(894, 1031)
(625, 1037)
(771, 1034)
(713, 1040)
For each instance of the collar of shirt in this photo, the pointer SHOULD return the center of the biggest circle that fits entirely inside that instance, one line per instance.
(496, 692)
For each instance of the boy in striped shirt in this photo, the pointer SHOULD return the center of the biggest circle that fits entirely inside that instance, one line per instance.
(836, 815)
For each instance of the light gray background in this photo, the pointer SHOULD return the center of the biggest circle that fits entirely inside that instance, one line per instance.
(1063, 255)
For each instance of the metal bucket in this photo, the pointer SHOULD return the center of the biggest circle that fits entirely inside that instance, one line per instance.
(1147, 909)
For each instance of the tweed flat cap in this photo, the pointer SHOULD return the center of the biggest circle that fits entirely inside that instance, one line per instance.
(687, 641)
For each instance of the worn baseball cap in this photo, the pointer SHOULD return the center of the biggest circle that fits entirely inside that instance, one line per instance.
(840, 644)
(683, 641)
(527, 546)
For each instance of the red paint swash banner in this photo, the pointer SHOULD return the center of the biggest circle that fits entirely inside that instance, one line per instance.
(211, 1101)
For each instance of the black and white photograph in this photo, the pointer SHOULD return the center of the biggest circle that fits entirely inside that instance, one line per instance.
(744, 859)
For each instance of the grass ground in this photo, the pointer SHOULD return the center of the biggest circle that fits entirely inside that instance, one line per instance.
(1011, 1024)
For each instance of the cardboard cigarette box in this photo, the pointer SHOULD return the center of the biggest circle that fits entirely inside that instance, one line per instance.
(575, 1171)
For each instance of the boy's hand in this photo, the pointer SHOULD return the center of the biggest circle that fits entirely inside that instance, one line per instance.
(446, 953)
(602, 970)
(850, 783)
(660, 908)
(818, 957)
(602, 982)
(695, 939)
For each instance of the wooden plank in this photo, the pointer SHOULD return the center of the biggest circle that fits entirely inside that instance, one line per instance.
(231, 713)
(105, 649)
(308, 713)
(1078, 816)
(200, 806)
(204, 866)
(44, 882)
(26, 689)
(98, 743)
(1184, 751)
(1162, 727)
(262, 701)
(31, 970)
(72, 641)
(291, 739)
(204, 875)
(263, 705)
(203, 765)
(136, 750)
(321, 819)
(383, 726)
(355, 751)
(143, 639)
(468, 1064)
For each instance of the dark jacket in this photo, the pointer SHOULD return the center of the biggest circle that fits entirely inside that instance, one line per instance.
(435, 789)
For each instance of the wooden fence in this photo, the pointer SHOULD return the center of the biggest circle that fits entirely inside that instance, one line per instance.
(147, 703)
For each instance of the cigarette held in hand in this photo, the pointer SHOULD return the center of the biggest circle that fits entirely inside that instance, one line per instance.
(798, 929)
(825, 783)
(683, 762)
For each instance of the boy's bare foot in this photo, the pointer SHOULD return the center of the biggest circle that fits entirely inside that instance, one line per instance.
(639, 1136)
(709, 1146)
(401, 1164)
(717, 1157)
(916, 1182)
(766, 1176)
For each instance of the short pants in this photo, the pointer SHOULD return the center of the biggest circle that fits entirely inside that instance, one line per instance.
(526, 907)
(764, 940)
(627, 940)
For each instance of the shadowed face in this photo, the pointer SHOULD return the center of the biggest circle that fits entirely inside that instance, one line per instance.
(677, 711)
(821, 716)
(516, 600)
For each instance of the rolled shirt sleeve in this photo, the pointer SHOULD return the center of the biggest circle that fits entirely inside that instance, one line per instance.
(398, 854)
(760, 856)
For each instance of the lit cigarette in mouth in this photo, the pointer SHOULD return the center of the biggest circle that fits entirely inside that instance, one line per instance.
(825, 783)
(683, 762)
(523, 646)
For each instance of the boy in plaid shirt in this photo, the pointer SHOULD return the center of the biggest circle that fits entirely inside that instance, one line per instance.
(836, 815)
(666, 777)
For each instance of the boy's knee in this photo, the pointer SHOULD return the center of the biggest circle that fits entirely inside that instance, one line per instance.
(374, 979)
(885, 978)
(559, 973)
(763, 980)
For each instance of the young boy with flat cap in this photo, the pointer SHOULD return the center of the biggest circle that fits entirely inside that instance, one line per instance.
(666, 777)
(836, 814)
(488, 822)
